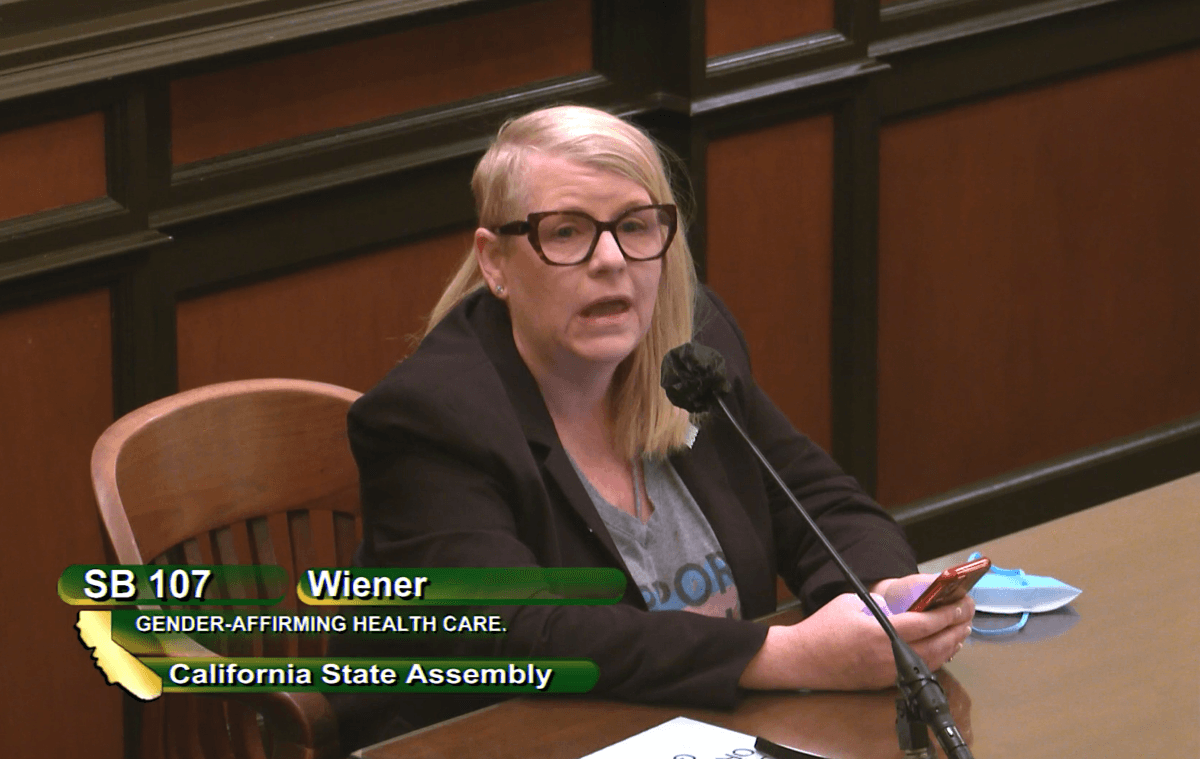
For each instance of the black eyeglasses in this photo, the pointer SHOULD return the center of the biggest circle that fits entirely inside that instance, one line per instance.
(568, 238)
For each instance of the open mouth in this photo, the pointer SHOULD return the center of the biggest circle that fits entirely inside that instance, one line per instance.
(608, 307)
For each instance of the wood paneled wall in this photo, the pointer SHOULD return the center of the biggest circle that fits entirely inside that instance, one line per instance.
(735, 25)
(346, 323)
(52, 165)
(959, 235)
(770, 241)
(1038, 270)
(361, 81)
(57, 399)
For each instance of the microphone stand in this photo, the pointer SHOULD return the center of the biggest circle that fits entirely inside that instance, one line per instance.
(922, 702)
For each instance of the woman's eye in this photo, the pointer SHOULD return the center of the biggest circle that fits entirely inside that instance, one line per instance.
(564, 232)
(633, 226)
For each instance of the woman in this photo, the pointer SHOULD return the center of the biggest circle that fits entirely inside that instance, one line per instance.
(528, 429)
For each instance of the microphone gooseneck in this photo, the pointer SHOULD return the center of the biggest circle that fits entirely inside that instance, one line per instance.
(693, 376)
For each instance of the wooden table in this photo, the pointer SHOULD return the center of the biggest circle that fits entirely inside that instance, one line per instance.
(1115, 674)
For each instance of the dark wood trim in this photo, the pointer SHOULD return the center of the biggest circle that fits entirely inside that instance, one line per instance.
(157, 38)
(855, 304)
(80, 254)
(351, 177)
(272, 239)
(858, 20)
(810, 83)
(1052, 489)
(824, 50)
(45, 230)
(697, 202)
(786, 53)
(909, 23)
(947, 68)
(144, 339)
(746, 68)
(156, 110)
(128, 143)
(347, 156)
(650, 49)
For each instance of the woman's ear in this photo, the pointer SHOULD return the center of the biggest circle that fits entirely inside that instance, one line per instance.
(487, 253)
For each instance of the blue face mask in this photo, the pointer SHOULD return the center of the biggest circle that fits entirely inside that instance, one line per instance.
(1011, 591)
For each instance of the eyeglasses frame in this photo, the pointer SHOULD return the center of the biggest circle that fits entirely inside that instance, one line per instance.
(529, 226)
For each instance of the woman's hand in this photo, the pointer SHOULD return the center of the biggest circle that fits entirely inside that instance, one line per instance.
(842, 647)
(901, 592)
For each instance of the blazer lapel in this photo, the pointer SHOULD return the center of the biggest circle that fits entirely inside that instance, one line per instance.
(703, 472)
(491, 322)
(558, 466)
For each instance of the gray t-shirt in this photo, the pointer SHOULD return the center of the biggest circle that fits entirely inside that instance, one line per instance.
(674, 557)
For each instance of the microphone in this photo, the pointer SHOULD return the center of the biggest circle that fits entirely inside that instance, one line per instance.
(693, 376)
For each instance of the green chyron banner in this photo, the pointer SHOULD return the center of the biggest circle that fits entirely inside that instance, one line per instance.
(461, 586)
(507, 676)
(174, 585)
(262, 585)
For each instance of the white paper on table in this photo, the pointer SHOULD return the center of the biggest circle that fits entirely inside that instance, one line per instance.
(682, 738)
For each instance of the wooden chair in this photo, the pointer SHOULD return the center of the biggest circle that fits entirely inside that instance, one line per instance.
(247, 472)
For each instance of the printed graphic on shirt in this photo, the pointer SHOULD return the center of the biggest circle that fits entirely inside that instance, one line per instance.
(705, 588)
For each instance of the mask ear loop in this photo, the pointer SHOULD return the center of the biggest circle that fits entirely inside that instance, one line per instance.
(1016, 627)
(1019, 624)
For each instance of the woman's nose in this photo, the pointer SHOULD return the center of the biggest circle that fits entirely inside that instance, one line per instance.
(608, 252)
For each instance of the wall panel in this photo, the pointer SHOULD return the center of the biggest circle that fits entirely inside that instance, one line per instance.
(52, 165)
(770, 212)
(382, 76)
(733, 25)
(347, 322)
(1038, 274)
(55, 400)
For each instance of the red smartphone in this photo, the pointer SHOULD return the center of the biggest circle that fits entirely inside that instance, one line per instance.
(952, 584)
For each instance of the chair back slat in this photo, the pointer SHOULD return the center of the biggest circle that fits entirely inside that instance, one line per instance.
(245, 735)
(151, 741)
(346, 538)
(304, 557)
(192, 554)
(300, 535)
(261, 550)
(249, 472)
(262, 546)
(223, 549)
(213, 737)
(182, 734)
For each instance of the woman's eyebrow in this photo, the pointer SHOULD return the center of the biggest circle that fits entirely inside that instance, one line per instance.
(623, 209)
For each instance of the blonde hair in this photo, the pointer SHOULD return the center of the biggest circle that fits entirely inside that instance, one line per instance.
(644, 420)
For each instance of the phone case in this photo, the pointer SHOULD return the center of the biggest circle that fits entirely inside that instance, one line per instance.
(952, 584)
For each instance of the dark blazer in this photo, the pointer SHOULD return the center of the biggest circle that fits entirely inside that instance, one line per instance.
(460, 465)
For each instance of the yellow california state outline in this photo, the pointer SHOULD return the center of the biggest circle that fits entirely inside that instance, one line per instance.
(118, 665)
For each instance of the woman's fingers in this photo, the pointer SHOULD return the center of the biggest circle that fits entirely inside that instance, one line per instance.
(841, 646)
(939, 648)
(937, 634)
(915, 625)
